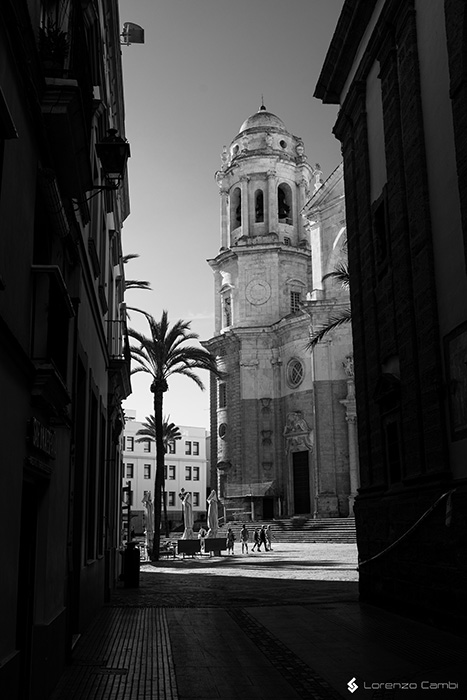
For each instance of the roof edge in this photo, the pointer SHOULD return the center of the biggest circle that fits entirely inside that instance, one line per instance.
(346, 39)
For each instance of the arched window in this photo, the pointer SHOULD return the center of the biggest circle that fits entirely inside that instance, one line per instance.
(284, 204)
(235, 208)
(259, 206)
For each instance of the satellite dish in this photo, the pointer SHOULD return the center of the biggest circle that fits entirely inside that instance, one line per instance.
(132, 34)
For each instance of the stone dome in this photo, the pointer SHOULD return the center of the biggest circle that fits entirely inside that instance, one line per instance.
(262, 120)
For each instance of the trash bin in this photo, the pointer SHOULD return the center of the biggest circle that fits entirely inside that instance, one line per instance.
(131, 565)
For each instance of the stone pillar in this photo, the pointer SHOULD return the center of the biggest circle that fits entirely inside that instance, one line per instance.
(225, 242)
(272, 221)
(353, 460)
(301, 203)
(351, 418)
(245, 206)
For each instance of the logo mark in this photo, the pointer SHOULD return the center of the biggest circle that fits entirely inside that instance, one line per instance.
(352, 686)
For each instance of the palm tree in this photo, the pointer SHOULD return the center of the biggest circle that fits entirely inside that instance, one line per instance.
(171, 433)
(148, 431)
(341, 274)
(161, 355)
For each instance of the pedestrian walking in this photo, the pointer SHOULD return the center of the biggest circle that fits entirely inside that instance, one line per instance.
(230, 541)
(269, 537)
(257, 541)
(202, 536)
(244, 536)
(262, 538)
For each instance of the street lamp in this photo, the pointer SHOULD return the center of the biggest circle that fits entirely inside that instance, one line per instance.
(113, 152)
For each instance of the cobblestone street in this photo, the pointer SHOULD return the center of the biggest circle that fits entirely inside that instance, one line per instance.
(280, 625)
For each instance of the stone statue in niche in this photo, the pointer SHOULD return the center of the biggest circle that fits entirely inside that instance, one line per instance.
(298, 434)
(348, 365)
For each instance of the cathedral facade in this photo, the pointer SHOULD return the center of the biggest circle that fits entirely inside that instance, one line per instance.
(274, 452)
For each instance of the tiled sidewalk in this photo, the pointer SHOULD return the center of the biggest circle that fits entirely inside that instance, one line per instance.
(283, 625)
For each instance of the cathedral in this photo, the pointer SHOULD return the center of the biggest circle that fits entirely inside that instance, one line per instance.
(282, 417)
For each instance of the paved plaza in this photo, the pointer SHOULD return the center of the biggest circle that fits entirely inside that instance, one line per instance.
(280, 625)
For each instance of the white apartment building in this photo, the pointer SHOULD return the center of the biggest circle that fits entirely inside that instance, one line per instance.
(185, 467)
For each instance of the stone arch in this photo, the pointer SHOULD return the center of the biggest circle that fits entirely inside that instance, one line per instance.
(235, 208)
(284, 204)
(259, 206)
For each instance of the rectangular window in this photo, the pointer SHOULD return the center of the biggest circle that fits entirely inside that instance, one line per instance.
(196, 498)
(172, 471)
(171, 498)
(147, 471)
(287, 240)
(130, 444)
(188, 473)
(222, 395)
(147, 446)
(294, 302)
(188, 447)
(172, 447)
(130, 471)
(196, 448)
(195, 473)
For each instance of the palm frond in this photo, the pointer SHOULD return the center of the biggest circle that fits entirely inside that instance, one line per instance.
(137, 284)
(130, 256)
(333, 323)
(340, 273)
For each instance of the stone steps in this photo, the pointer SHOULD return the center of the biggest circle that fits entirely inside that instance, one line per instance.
(332, 530)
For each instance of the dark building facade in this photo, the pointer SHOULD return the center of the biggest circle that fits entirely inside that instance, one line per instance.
(64, 367)
(398, 71)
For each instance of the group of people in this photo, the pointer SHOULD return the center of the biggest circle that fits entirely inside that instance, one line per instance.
(262, 536)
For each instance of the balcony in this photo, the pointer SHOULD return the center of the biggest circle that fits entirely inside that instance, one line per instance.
(119, 359)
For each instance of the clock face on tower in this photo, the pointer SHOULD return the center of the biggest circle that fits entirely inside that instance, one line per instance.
(258, 292)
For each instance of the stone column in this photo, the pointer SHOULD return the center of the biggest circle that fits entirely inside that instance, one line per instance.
(245, 207)
(273, 223)
(351, 418)
(353, 460)
(301, 203)
(225, 238)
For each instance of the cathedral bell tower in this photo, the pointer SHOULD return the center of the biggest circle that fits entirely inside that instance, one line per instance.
(262, 412)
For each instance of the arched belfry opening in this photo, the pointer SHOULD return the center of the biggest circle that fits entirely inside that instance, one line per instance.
(259, 206)
(284, 204)
(235, 208)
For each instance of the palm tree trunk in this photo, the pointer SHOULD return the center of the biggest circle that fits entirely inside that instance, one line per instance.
(164, 501)
(159, 480)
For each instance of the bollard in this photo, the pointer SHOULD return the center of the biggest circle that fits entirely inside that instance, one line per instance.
(131, 565)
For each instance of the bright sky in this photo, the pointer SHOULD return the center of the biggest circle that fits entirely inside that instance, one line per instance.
(200, 73)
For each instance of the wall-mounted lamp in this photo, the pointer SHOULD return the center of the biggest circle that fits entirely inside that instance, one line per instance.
(113, 152)
(132, 34)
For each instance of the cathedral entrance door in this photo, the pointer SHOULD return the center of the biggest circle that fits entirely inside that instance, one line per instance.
(301, 483)
(268, 508)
